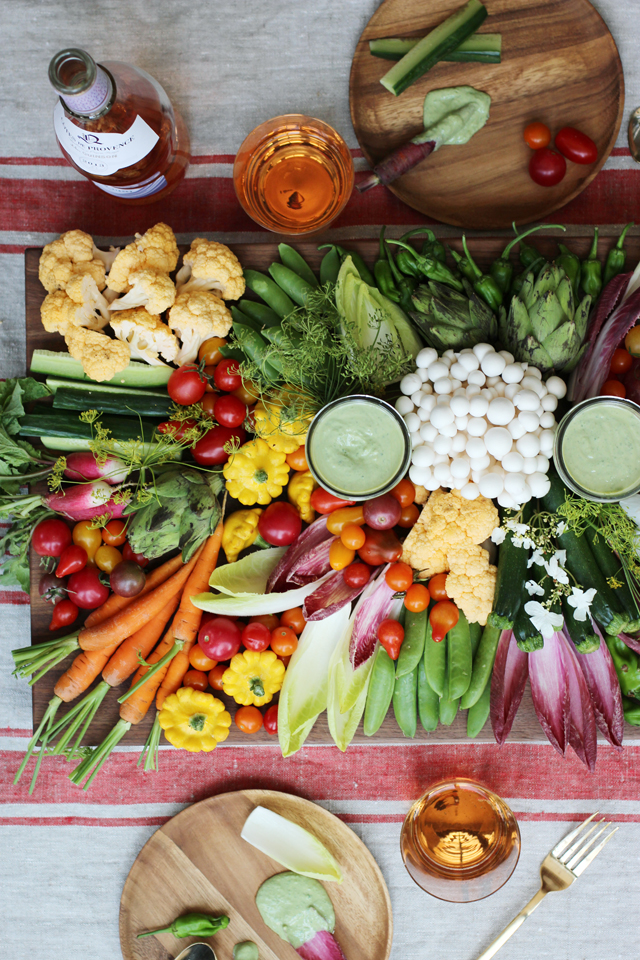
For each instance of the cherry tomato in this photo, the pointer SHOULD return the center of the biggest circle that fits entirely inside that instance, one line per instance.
(381, 546)
(115, 533)
(325, 502)
(248, 719)
(127, 579)
(271, 719)
(186, 385)
(438, 587)
(88, 537)
(195, 679)
(247, 392)
(340, 556)
(298, 460)
(73, 558)
(547, 168)
(215, 676)
(255, 636)
(280, 524)
(417, 598)
(230, 411)
(51, 589)
(176, 428)
(613, 388)
(270, 620)
(285, 660)
(284, 641)
(210, 386)
(220, 638)
(86, 589)
(632, 341)
(210, 351)
(353, 536)
(51, 537)
(391, 635)
(408, 516)
(382, 513)
(443, 616)
(208, 404)
(404, 492)
(576, 146)
(209, 450)
(226, 376)
(199, 660)
(537, 135)
(338, 520)
(356, 574)
(64, 614)
(107, 558)
(399, 577)
(294, 618)
(128, 554)
(620, 362)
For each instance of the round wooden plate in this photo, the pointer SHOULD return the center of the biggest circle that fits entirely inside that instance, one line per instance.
(198, 862)
(559, 65)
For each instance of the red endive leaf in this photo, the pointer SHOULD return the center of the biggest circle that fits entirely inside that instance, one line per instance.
(632, 642)
(609, 300)
(508, 681)
(313, 535)
(582, 724)
(550, 692)
(604, 690)
(373, 607)
(329, 597)
(311, 565)
(323, 946)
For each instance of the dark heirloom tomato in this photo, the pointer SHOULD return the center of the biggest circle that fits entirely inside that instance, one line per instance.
(127, 579)
(547, 168)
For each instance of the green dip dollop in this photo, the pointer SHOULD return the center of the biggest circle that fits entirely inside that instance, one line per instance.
(453, 115)
(247, 950)
(601, 448)
(295, 907)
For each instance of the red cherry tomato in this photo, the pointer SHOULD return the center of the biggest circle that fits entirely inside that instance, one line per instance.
(229, 411)
(220, 638)
(271, 719)
(209, 450)
(226, 376)
(417, 598)
(293, 618)
(270, 620)
(255, 636)
(620, 362)
(51, 537)
(64, 614)
(176, 428)
(613, 388)
(195, 679)
(576, 146)
(438, 587)
(443, 616)
(325, 502)
(86, 589)
(73, 558)
(537, 135)
(186, 385)
(128, 554)
(356, 574)
(547, 168)
(115, 533)
(391, 635)
(215, 676)
(280, 524)
(409, 516)
(404, 492)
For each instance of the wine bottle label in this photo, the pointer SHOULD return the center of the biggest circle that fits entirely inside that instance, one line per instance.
(145, 189)
(103, 153)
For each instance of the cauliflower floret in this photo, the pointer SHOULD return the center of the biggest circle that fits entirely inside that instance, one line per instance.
(195, 317)
(471, 582)
(210, 265)
(146, 335)
(422, 494)
(80, 305)
(155, 250)
(71, 254)
(149, 289)
(100, 356)
(107, 256)
(83, 289)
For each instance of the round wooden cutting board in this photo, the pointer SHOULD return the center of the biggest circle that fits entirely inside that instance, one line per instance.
(197, 862)
(559, 65)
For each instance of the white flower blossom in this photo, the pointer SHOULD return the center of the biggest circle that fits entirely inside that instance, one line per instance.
(543, 620)
(523, 542)
(560, 529)
(555, 567)
(533, 588)
(581, 601)
(498, 535)
(537, 558)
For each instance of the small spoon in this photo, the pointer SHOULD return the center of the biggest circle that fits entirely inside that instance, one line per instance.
(197, 951)
(634, 135)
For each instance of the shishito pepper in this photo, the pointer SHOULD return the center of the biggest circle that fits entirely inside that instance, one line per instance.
(239, 532)
(405, 285)
(191, 925)
(256, 473)
(383, 273)
(301, 486)
(430, 267)
(253, 678)
(194, 721)
(501, 269)
(616, 257)
(483, 283)
(591, 270)
(570, 263)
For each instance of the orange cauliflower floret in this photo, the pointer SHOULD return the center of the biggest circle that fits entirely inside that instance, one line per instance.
(155, 250)
(100, 356)
(210, 265)
(471, 582)
(196, 316)
(146, 335)
(80, 305)
(74, 252)
(149, 289)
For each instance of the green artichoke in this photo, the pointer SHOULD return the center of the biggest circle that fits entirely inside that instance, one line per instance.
(543, 326)
(449, 320)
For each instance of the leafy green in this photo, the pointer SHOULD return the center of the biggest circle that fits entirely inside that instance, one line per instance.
(247, 576)
(347, 692)
(17, 457)
(14, 545)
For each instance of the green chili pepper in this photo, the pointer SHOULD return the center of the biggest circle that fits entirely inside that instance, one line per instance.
(501, 269)
(192, 925)
(482, 666)
(463, 265)
(448, 707)
(528, 255)
(383, 273)
(359, 264)
(483, 283)
(330, 266)
(294, 261)
(430, 267)
(591, 270)
(435, 663)
(631, 710)
(459, 658)
(518, 280)
(428, 701)
(404, 285)
(627, 665)
(406, 261)
(479, 713)
(405, 702)
(380, 692)
(616, 257)
(435, 249)
(412, 649)
(570, 263)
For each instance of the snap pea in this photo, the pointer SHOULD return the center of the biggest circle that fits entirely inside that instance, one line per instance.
(482, 666)
(269, 291)
(296, 262)
(244, 319)
(232, 353)
(405, 702)
(293, 285)
(447, 707)
(412, 649)
(260, 312)
(435, 662)
(428, 701)
(475, 632)
(254, 346)
(330, 266)
(479, 713)
(459, 659)
(380, 692)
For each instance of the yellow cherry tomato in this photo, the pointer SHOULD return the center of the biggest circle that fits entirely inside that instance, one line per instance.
(338, 520)
(210, 351)
(107, 558)
(340, 556)
(84, 535)
(353, 536)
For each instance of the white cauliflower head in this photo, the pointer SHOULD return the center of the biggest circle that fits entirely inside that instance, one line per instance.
(100, 356)
(71, 254)
(146, 336)
(210, 265)
(155, 250)
(149, 289)
(80, 305)
(195, 317)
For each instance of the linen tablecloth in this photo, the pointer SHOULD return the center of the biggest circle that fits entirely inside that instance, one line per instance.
(64, 854)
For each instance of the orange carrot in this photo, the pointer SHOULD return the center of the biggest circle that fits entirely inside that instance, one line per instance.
(187, 621)
(125, 659)
(135, 708)
(116, 603)
(137, 614)
(82, 672)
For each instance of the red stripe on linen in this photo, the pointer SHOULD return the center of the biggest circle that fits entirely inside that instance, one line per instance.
(14, 598)
(366, 772)
(83, 821)
(12, 248)
(10, 732)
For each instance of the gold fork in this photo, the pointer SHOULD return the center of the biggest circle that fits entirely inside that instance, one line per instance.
(559, 869)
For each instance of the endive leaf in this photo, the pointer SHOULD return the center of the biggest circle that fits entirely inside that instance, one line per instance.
(290, 845)
(253, 604)
(347, 692)
(249, 575)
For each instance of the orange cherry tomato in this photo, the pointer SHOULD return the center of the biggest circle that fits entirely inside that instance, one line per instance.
(115, 533)
(417, 598)
(353, 536)
(298, 459)
(408, 516)
(210, 351)
(340, 556)
(537, 135)
(247, 392)
(338, 520)
(208, 402)
(620, 362)
(293, 618)
(215, 675)
(404, 492)
(399, 577)
(270, 620)
(438, 587)
(199, 660)
(195, 679)
(283, 641)
(84, 535)
(442, 618)
(107, 558)
(613, 388)
(248, 719)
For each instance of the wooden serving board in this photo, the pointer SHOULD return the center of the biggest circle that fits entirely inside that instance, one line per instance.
(560, 65)
(198, 862)
(258, 256)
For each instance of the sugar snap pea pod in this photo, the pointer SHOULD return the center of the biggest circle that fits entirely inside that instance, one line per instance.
(255, 347)
(479, 713)
(475, 632)
(293, 285)
(330, 266)
(261, 313)
(435, 662)
(482, 666)
(380, 692)
(296, 262)
(232, 353)
(244, 319)
(269, 291)
(428, 701)
(405, 702)
(459, 658)
(447, 707)
(412, 649)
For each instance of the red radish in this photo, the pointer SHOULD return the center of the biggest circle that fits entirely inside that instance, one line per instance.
(84, 501)
(83, 465)
(402, 160)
